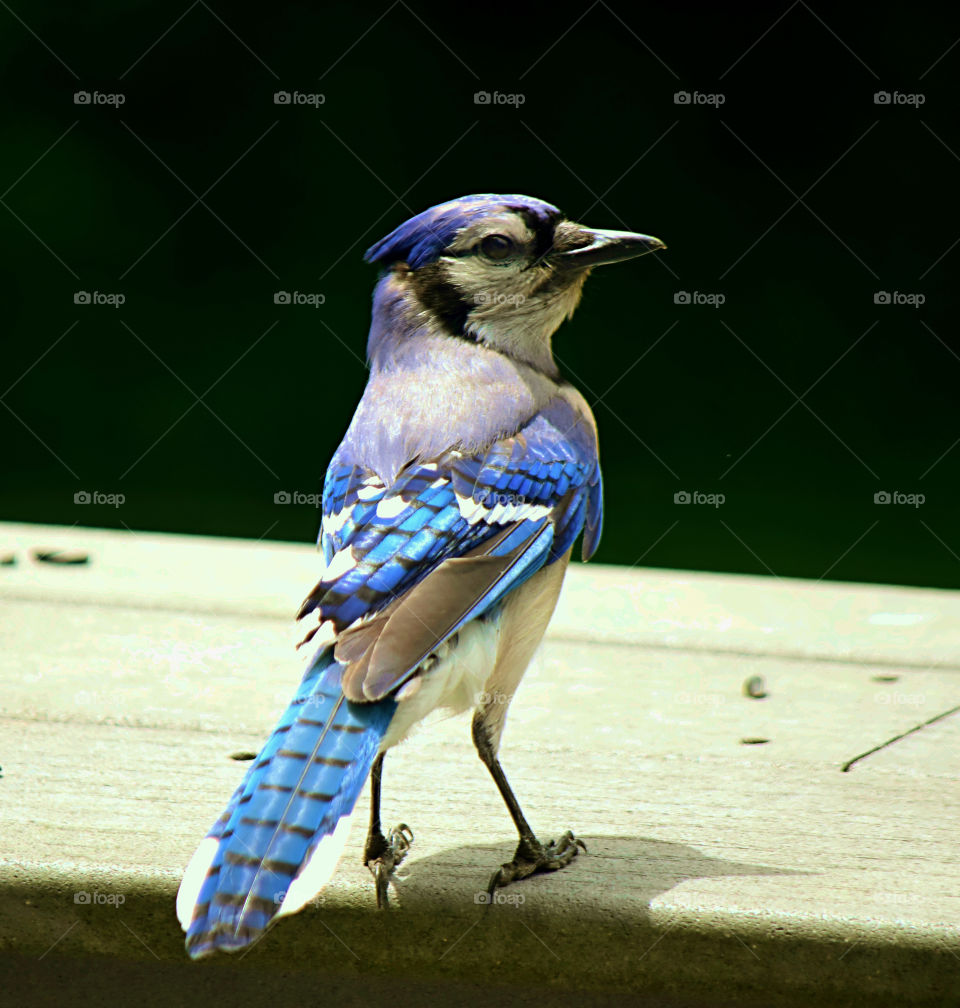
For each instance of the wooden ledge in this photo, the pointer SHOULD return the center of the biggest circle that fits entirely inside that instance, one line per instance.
(721, 869)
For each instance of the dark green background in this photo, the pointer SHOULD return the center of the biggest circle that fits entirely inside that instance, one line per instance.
(103, 199)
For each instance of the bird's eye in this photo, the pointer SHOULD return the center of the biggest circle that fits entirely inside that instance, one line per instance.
(497, 247)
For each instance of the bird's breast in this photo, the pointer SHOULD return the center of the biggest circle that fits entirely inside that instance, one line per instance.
(452, 680)
(439, 394)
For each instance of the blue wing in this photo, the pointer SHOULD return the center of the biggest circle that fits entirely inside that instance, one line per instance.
(525, 499)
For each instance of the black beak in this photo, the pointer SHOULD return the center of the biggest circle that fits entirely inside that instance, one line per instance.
(577, 247)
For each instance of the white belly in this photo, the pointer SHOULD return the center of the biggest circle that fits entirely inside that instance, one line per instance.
(454, 682)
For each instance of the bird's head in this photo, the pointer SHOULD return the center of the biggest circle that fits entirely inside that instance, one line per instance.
(503, 271)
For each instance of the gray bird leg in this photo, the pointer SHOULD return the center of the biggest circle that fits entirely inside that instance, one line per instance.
(531, 855)
(383, 854)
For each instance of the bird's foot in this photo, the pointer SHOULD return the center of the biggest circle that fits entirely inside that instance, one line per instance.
(533, 857)
(383, 855)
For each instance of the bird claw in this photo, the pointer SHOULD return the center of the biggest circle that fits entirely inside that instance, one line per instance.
(384, 855)
(533, 857)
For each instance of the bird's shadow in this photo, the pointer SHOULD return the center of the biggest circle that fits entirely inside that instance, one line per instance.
(588, 926)
(615, 873)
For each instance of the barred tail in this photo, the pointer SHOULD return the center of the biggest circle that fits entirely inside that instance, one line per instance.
(279, 839)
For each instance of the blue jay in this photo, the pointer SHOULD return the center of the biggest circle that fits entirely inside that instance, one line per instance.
(450, 510)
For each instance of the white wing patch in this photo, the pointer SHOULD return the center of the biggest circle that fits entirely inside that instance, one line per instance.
(511, 512)
(333, 523)
(341, 562)
(502, 512)
(472, 510)
(391, 507)
(371, 489)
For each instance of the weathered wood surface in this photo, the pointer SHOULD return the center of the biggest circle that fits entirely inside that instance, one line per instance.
(717, 871)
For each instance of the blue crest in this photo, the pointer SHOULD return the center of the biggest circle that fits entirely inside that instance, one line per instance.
(423, 238)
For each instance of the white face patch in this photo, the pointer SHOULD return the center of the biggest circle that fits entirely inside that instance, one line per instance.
(512, 305)
(509, 224)
(481, 281)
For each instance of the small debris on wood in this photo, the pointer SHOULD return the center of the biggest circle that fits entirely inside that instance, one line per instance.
(753, 741)
(755, 688)
(243, 756)
(61, 556)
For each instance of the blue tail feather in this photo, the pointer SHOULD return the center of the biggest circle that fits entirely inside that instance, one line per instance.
(305, 780)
